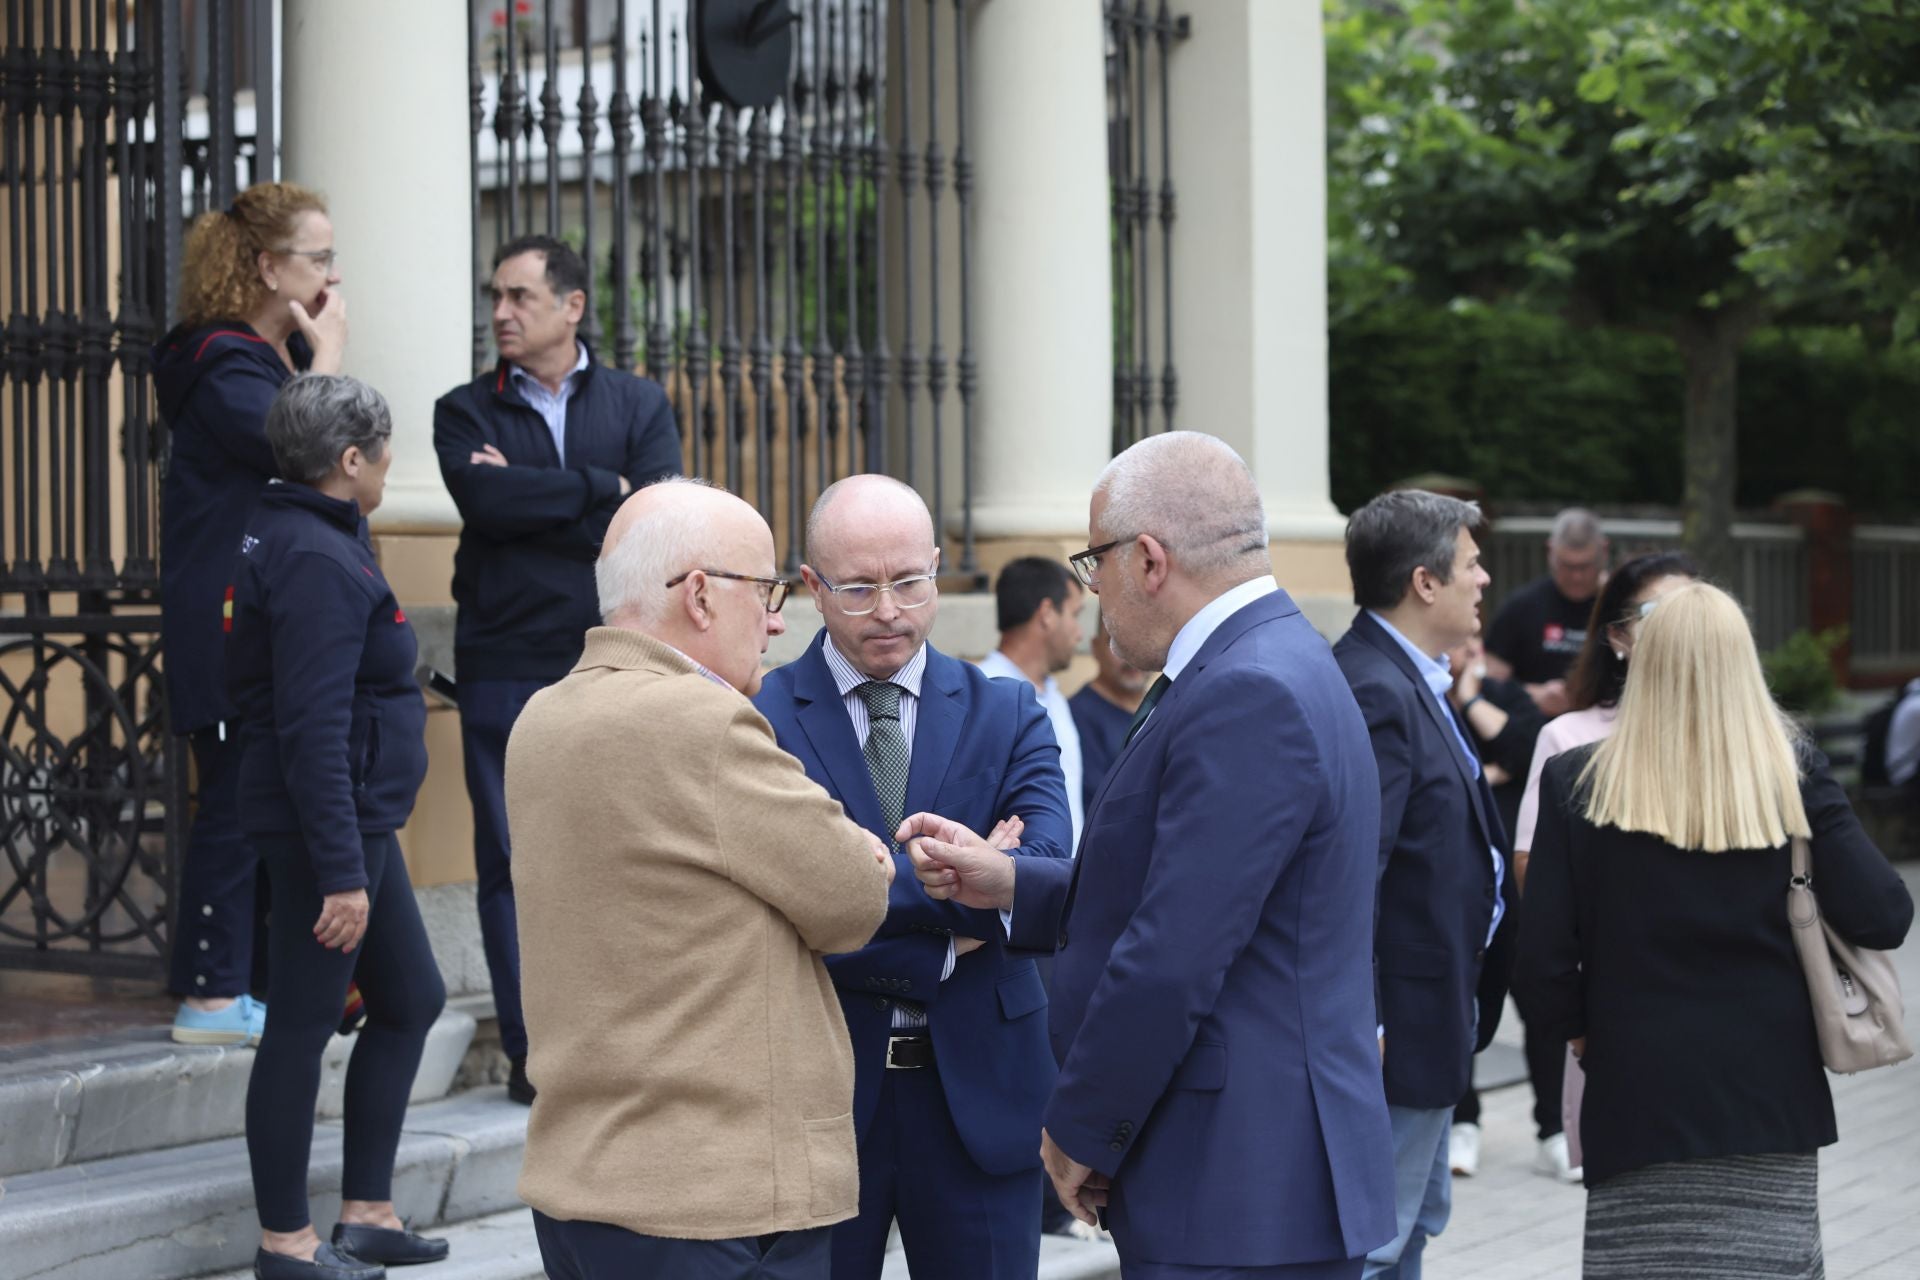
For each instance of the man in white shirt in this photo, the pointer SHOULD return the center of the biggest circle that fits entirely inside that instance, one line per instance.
(1038, 602)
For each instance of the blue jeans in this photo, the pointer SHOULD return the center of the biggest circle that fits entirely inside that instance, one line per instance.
(1422, 1190)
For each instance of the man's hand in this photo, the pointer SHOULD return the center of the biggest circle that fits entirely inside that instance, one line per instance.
(487, 456)
(1082, 1191)
(343, 920)
(1550, 697)
(881, 853)
(963, 945)
(953, 863)
(1006, 833)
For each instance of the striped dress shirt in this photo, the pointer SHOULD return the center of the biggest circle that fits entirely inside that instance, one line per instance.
(908, 1015)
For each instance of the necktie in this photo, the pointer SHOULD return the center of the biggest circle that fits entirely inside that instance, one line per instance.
(1155, 692)
(886, 750)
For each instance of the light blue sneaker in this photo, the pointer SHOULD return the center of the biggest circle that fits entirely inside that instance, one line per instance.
(241, 1022)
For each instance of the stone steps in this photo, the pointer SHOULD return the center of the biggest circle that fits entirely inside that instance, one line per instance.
(76, 1101)
(189, 1210)
(501, 1246)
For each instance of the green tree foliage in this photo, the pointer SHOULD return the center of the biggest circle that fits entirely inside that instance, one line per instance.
(1538, 409)
(1689, 168)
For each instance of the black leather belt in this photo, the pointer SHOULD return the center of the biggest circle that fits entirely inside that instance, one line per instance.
(909, 1053)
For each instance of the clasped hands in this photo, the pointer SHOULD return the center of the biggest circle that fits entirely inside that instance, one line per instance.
(954, 863)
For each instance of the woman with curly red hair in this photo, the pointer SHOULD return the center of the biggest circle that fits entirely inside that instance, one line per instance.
(260, 301)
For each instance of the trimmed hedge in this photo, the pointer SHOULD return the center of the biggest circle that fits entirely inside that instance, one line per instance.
(1535, 409)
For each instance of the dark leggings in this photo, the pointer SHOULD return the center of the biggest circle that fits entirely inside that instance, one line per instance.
(401, 984)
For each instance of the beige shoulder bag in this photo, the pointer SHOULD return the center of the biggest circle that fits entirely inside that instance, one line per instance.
(1856, 992)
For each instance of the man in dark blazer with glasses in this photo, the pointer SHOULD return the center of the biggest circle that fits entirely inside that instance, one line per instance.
(948, 1026)
(1219, 1096)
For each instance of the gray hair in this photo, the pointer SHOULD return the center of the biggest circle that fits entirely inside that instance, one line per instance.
(1576, 529)
(1399, 532)
(319, 416)
(1193, 493)
(631, 576)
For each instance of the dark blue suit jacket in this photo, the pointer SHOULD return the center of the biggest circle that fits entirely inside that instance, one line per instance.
(1213, 994)
(982, 750)
(1437, 822)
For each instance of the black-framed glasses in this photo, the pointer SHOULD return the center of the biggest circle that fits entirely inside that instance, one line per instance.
(1086, 564)
(858, 599)
(321, 258)
(773, 591)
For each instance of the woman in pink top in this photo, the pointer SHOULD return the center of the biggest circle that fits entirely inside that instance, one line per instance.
(1593, 689)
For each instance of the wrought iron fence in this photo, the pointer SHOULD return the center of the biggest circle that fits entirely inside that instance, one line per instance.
(99, 179)
(795, 273)
(1139, 41)
(1770, 578)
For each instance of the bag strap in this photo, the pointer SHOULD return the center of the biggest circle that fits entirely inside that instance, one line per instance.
(1802, 868)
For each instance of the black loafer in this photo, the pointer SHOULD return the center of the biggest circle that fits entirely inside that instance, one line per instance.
(328, 1264)
(386, 1246)
(519, 1088)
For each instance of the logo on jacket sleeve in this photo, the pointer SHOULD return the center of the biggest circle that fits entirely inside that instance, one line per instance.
(226, 612)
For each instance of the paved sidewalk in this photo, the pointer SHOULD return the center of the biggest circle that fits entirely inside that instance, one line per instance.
(1510, 1223)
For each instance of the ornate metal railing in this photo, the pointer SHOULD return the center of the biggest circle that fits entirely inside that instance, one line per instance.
(98, 181)
(792, 269)
(1139, 41)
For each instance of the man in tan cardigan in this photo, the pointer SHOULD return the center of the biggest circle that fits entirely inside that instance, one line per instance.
(679, 879)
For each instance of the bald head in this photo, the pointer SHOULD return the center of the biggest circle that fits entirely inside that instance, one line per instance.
(848, 507)
(666, 529)
(711, 546)
(1191, 491)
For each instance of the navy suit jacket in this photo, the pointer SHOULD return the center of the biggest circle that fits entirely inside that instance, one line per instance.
(982, 750)
(1212, 997)
(1437, 822)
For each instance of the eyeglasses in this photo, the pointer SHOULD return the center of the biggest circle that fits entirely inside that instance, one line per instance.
(773, 591)
(1636, 615)
(321, 258)
(1086, 564)
(858, 599)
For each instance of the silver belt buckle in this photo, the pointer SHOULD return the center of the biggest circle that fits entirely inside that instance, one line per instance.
(896, 1040)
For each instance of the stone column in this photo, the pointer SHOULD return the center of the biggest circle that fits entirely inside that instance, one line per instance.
(1248, 149)
(1043, 319)
(374, 96)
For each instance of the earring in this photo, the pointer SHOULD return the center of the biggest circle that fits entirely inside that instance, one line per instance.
(1620, 654)
(273, 285)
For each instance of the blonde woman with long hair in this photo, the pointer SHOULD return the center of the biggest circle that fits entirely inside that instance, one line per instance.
(1655, 941)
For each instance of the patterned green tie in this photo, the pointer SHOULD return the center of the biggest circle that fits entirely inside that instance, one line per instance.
(1155, 692)
(886, 750)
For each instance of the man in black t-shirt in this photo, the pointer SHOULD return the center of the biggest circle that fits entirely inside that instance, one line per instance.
(1541, 626)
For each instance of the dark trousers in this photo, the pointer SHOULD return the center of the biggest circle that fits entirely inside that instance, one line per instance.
(598, 1251)
(956, 1221)
(1546, 1069)
(1133, 1268)
(213, 944)
(488, 709)
(404, 994)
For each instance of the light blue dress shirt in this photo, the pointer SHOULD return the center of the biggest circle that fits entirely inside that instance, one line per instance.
(552, 405)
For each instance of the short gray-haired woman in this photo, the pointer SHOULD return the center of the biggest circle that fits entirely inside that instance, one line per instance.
(320, 660)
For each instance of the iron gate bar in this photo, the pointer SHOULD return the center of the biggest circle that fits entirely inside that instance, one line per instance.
(1134, 33)
(873, 56)
(963, 194)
